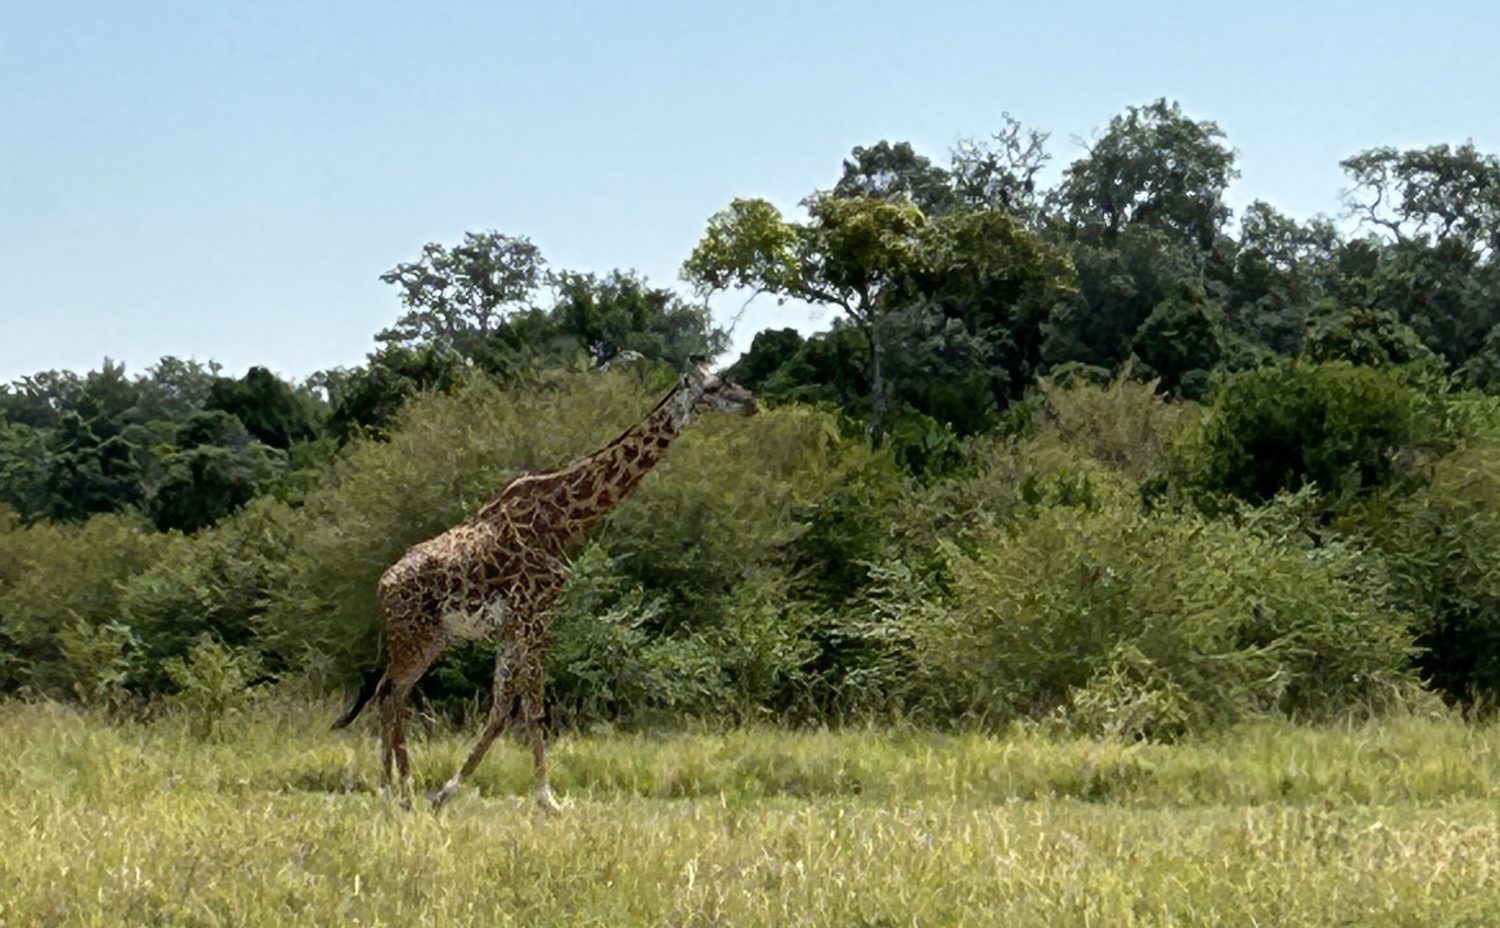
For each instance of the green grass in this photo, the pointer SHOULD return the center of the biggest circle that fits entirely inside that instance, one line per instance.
(279, 822)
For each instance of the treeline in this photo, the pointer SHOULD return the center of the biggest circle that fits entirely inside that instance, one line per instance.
(1102, 453)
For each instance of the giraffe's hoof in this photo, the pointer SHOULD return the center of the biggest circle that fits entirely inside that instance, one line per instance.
(548, 804)
(441, 797)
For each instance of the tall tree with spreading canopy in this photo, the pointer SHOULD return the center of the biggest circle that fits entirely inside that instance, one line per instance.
(1154, 166)
(1002, 171)
(850, 254)
(1142, 213)
(455, 294)
(1436, 212)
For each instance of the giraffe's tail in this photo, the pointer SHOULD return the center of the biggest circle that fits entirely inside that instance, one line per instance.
(367, 689)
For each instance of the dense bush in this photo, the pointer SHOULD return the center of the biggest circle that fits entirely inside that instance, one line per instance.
(216, 584)
(782, 567)
(1336, 426)
(62, 626)
(1127, 425)
(1156, 624)
(719, 511)
(1443, 547)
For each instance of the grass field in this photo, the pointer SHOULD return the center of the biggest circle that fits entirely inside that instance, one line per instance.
(279, 822)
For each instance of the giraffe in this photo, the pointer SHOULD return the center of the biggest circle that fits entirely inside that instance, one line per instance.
(496, 577)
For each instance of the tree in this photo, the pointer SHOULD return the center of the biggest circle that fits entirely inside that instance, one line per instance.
(1001, 172)
(1281, 268)
(215, 469)
(174, 389)
(271, 410)
(97, 453)
(993, 284)
(1435, 194)
(1182, 341)
(1483, 369)
(850, 254)
(1436, 265)
(895, 172)
(770, 351)
(1343, 428)
(454, 294)
(623, 312)
(370, 396)
(23, 468)
(1152, 167)
(1369, 337)
(40, 399)
(1119, 285)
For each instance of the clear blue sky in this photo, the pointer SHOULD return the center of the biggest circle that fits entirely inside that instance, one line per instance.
(227, 180)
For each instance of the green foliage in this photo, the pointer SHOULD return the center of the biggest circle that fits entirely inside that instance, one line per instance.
(1442, 193)
(1126, 424)
(1182, 341)
(1483, 369)
(60, 607)
(269, 409)
(1281, 268)
(213, 684)
(604, 661)
(368, 398)
(1123, 623)
(1339, 427)
(456, 294)
(849, 255)
(1440, 543)
(887, 171)
(1154, 167)
(96, 454)
(217, 583)
(1438, 209)
(171, 444)
(947, 303)
(621, 312)
(1371, 337)
(216, 470)
(1120, 283)
(1000, 172)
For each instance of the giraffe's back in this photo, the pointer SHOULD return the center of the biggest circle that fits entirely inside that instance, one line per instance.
(472, 582)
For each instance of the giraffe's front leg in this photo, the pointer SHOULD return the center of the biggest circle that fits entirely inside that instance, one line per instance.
(544, 795)
(531, 705)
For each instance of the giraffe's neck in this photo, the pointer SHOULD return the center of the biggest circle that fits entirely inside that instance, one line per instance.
(572, 499)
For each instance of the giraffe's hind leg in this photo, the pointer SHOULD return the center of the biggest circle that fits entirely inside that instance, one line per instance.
(383, 699)
(393, 735)
(501, 702)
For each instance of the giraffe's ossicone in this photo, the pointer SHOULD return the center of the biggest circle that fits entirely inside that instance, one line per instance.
(497, 576)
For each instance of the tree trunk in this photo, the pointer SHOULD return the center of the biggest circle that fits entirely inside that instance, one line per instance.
(879, 404)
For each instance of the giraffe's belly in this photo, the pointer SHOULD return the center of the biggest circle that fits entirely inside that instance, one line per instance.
(478, 622)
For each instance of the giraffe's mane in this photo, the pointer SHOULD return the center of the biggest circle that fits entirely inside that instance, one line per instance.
(586, 459)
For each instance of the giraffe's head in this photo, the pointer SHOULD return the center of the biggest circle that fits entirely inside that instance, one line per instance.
(711, 391)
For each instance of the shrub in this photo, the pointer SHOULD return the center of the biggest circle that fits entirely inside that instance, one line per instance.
(725, 504)
(1441, 543)
(1336, 426)
(1156, 625)
(213, 683)
(60, 611)
(1126, 424)
(217, 582)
